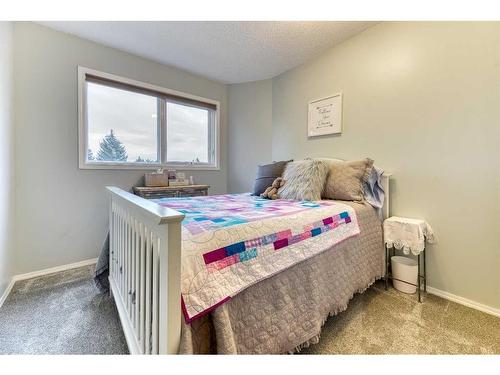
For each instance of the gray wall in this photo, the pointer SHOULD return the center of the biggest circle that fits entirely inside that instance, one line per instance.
(61, 210)
(6, 157)
(250, 119)
(423, 100)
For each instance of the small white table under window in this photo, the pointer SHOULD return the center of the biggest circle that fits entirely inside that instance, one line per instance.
(409, 235)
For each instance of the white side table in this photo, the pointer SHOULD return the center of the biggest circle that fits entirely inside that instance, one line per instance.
(409, 235)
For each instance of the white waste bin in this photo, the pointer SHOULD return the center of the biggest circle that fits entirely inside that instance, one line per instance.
(405, 269)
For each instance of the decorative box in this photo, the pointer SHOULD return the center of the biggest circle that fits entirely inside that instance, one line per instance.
(156, 179)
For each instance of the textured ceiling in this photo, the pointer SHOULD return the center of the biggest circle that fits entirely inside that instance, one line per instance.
(230, 52)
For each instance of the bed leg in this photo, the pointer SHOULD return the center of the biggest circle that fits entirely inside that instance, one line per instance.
(170, 291)
(386, 277)
(418, 279)
(425, 274)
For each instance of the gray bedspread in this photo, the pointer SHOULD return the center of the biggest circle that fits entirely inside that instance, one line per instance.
(286, 312)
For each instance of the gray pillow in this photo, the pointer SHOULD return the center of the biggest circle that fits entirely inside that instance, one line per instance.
(266, 174)
(346, 178)
(304, 180)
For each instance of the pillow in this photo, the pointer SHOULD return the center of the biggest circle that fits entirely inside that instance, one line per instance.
(346, 178)
(266, 174)
(304, 180)
(373, 189)
(329, 160)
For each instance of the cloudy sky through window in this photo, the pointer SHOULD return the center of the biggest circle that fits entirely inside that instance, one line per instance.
(133, 118)
(187, 133)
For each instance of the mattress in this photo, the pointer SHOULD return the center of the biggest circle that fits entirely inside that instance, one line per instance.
(286, 311)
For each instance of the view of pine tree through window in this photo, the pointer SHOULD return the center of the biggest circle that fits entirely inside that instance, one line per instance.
(122, 125)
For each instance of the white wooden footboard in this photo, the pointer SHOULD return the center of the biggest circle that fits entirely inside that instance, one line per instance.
(145, 272)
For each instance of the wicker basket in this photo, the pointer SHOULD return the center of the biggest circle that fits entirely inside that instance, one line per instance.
(156, 179)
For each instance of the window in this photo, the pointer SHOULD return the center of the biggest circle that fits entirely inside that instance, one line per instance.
(126, 124)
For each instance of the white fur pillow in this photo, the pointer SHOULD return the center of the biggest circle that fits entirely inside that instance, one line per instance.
(304, 180)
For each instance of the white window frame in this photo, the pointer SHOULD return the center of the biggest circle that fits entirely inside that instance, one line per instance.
(214, 132)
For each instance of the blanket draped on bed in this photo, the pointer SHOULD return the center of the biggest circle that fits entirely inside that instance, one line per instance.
(101, 272)
(230, 242)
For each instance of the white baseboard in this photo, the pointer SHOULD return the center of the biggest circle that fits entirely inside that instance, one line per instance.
(49, 271)
(44, 272)
(7, 291)
(464, 301)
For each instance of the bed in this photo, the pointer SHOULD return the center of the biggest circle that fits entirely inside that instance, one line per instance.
(235, 273)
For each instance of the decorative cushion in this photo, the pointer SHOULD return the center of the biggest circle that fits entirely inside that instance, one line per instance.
(373, 189)
(304, 180)
(266, 174)
(346, 178)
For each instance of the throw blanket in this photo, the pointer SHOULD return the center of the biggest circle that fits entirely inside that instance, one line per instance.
(230, 242)
(101, 272)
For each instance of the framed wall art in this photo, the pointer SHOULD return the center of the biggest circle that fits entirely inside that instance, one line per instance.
(325, 116)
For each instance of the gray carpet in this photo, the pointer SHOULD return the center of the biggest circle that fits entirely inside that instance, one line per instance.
(65, 314)
(390, 322)
(62, 313)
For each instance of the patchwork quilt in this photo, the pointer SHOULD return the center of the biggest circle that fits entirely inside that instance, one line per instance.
(230, 242)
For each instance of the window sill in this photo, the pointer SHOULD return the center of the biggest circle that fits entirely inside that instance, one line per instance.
(177, 167)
